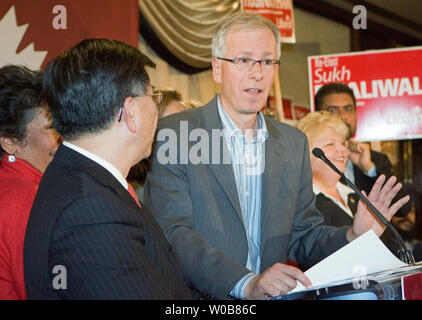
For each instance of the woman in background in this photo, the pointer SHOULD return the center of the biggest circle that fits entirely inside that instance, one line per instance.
(28, 142)
(171, 102)
(336, 201)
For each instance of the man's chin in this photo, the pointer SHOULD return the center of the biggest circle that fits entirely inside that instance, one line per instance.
(253, 108)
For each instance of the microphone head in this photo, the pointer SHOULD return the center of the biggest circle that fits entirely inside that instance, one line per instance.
(317, 152)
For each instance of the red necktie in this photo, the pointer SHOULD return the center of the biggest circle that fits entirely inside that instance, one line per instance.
(133, 194)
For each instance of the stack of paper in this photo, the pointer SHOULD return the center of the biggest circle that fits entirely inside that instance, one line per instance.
(363, 256)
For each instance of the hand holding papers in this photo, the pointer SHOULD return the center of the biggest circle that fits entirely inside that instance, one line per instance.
(364, 256)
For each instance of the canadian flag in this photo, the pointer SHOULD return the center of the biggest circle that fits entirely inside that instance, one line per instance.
(34, 32)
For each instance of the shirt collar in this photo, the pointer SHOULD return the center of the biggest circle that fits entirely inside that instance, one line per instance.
(105, 164)
(342, 189)
(261, 132)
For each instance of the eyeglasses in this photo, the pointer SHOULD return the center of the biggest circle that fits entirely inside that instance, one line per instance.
(248, 63)
(157, 97)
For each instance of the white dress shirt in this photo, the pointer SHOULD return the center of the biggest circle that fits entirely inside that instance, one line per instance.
(105, 164)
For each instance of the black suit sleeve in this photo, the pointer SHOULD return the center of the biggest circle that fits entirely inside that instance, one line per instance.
(382, 164)
(103, 248)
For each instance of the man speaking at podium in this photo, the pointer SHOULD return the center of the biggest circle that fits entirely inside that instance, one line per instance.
(233, 225)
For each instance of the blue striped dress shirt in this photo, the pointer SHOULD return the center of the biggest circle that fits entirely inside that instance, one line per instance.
(247, 159)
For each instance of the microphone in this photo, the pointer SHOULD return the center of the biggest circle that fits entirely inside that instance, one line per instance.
(405, 255)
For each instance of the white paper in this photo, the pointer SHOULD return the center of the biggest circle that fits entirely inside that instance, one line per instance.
(363, 256)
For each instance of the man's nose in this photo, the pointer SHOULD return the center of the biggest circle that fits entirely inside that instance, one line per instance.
(256, 70)
(343, 114)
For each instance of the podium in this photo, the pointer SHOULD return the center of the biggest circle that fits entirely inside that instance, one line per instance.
(403, 283)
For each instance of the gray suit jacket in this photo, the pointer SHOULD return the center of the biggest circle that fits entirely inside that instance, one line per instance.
(198, 207)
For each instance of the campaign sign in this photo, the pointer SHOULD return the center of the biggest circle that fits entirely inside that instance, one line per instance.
(280, 12)
(387, 85)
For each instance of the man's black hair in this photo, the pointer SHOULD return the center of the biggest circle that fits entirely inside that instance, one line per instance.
(86, 86)
(334, 87)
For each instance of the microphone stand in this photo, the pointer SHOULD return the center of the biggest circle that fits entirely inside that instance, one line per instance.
(405, 255)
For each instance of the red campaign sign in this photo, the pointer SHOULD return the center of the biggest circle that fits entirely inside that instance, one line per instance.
(287, 106)
(387, 85)
(300, 112)
(290, 110)
(280, 12)
(34, 32)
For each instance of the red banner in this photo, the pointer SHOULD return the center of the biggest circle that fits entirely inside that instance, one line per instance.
(412, 287)
(280, 12)
(34, 32)
(387, 86)
(290, 110)
(300, 112)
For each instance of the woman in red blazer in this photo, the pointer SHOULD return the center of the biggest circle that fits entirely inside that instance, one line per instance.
(28, 142)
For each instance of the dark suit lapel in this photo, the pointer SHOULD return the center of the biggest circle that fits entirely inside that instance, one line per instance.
(79, 162)
(270, 180)
(352, 202)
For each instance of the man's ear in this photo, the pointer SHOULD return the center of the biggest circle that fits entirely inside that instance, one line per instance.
(216, 70)
(9, 145)
(129, 113)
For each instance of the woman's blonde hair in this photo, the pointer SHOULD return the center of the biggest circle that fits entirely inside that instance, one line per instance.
(169, 95)
(315, 123)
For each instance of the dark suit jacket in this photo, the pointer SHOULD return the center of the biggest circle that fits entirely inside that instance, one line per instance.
(332, 213)
(84, 219)
(383, 166)
(197, 205)
(335, 216)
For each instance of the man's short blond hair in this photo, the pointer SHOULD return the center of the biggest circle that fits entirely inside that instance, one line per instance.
(242, 21)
